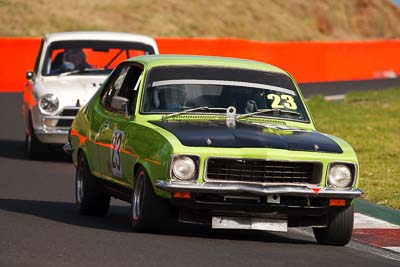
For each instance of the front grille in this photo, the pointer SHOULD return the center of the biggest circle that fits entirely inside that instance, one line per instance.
(262, 171)
(64, 123)
(69, 111)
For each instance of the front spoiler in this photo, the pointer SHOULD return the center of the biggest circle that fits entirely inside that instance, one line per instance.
(53, 136)
(68, 148)
(288, 190)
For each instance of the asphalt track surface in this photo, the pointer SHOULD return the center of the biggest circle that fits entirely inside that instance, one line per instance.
(39, 225)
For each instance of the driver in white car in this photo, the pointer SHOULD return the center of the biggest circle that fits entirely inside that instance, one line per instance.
(71, 59)
(77, 57)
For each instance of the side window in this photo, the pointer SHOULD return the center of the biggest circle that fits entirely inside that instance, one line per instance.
(130, 86)
(114, 85)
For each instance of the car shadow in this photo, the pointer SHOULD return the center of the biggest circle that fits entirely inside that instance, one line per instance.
(15, 149)
(67, 212)
(117, 220)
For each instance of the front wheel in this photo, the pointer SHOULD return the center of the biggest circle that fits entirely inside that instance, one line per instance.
(340, 227)
(90, 197)
(148, 211)
(34, 148)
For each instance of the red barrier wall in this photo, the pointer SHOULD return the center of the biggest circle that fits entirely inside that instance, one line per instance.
(17, 55)
(306, 61)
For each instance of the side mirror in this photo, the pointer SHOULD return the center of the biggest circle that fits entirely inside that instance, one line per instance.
(30, 75)
(120, 104)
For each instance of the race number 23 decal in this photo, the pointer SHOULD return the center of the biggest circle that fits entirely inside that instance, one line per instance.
(116, 143)
(282, 101)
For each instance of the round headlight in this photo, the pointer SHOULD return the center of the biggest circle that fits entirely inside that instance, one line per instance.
(339, 176)
(183, 168)
(48, 103)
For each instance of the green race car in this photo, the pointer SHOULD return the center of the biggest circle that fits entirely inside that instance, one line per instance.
(224, 142)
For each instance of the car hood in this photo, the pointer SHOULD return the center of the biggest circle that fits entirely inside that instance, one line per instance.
(243, 134)
(70, 89)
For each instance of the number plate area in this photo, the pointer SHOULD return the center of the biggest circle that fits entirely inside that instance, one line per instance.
(247, 223)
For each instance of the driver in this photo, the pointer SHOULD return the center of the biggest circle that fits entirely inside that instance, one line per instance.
(170, 97)
(77, 57)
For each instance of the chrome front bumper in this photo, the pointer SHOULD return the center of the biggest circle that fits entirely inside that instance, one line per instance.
(52, 136)
(288, 190)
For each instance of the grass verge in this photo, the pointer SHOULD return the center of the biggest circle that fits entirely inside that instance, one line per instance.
(370, 122)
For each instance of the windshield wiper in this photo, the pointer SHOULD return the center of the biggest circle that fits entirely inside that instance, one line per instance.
(268, 110)
(203, 108)
(85, 70)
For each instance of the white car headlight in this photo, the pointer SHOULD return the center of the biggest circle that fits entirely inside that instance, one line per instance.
(183, 168)
(339, 175)
(48, 103)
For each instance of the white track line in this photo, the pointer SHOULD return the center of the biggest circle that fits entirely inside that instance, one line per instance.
(362, 221)
(397, 249)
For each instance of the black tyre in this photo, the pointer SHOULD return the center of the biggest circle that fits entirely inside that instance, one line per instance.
(34, 148)
(148, 211)
(340, 227)
(90, 197)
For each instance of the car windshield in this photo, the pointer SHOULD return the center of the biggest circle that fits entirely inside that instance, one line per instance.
(92, 57)
(255, 93)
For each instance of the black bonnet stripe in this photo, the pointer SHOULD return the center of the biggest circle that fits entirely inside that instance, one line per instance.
(217, 134)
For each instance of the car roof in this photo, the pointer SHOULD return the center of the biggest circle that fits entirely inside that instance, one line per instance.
(99, 35)
(191, 60)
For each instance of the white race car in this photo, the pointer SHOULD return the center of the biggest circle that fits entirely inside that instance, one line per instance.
(69, 68)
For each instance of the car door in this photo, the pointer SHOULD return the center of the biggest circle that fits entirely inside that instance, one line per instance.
(100, 124)
(123, 155)
(111, 135)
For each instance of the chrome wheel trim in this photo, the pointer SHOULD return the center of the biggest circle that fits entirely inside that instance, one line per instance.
(79, 184)
(137, 198)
